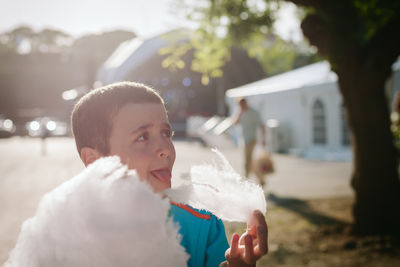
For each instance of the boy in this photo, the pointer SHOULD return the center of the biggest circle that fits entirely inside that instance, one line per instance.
(129, 120)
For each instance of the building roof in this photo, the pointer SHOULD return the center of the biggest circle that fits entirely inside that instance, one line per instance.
(134, 52)
(317, 73)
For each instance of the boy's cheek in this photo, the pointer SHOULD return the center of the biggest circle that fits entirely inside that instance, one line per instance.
(142, 177)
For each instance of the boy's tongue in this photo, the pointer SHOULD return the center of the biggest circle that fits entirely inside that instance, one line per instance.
(163, 175)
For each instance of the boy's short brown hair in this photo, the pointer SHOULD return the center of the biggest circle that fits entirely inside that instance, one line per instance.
(91, 117)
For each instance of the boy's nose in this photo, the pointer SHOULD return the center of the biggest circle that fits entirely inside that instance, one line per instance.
(163, 150)
(163, 154)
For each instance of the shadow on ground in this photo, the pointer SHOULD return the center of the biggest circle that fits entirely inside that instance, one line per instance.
(302, 208)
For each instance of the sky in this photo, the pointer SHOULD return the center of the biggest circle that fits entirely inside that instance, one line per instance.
(78, 17)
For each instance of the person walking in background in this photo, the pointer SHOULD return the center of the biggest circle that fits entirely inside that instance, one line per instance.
(250, 121)
(44, 133)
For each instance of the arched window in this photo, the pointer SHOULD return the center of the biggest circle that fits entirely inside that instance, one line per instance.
(345, 127)
(319, 122)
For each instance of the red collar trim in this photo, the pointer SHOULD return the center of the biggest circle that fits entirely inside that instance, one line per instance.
(191, 211)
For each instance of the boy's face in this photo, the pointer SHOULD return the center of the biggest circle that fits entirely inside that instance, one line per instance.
(141, 137)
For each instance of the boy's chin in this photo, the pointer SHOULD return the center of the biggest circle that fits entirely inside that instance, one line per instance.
(160, 193)
(158, 186)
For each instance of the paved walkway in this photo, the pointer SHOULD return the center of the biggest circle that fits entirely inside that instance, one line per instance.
(294, 177)
(26, 175)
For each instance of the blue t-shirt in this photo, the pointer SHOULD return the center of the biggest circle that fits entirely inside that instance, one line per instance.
(203, 235)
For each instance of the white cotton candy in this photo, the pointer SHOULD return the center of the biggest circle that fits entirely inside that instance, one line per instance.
(102, 217)
(221, 190)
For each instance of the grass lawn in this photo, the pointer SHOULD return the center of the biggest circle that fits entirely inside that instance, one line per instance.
(316, 233)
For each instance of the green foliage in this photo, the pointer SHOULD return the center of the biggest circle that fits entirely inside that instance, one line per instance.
(175, 52)
(225, 23)
(277, 55)
(242, 17)
(206, 44)
(55, 62)
(55, 41)
(375, 14)
(331, 26)
(53, 37)
(210, 52)
(23, 31)
(47, 40)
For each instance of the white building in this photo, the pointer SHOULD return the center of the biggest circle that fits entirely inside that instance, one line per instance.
(303, 111)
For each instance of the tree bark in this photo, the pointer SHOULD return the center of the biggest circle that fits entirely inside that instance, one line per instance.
(362, 70)
(375, 179)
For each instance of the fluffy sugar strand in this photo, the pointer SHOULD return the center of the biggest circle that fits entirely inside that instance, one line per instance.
(105, 216)
(220, 189)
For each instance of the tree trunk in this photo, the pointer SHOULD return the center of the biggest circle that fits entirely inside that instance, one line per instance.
(375, 178)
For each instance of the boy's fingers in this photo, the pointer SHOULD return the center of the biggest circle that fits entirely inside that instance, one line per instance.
(233, 251)
(234, 246)
(249, 250)
(252, 230)
(262, 236)
(259, 218)
(262, 233)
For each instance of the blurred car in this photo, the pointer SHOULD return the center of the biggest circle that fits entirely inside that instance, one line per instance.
(46, 126)
(7, 127)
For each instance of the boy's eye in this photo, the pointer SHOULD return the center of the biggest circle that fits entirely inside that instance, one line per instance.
(168, 133)
(143, 137)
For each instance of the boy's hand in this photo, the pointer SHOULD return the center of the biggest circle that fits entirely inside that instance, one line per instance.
(251, 246)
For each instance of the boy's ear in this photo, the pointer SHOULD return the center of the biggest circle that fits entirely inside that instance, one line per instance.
(89, 155)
